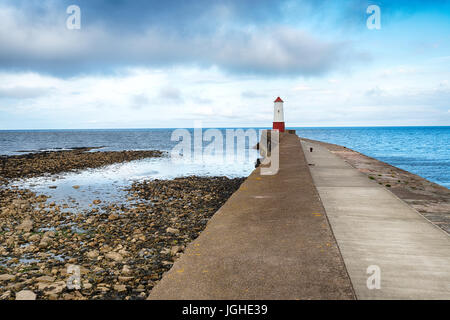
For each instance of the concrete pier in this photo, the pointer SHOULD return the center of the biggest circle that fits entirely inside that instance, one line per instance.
(271, 240)
(374, 227)
(310, 232)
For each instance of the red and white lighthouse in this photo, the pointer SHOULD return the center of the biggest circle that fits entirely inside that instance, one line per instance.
(278, 115)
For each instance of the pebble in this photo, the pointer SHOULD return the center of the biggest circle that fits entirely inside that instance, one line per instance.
(6, 295)
(6, 277)
(47, 279)
(26, 225)
(93, 254)
(172, 230)
(25, 295)
(114, 256)
(120, 288)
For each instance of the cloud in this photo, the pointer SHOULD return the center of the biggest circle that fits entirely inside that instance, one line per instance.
(170, 94)
(23, 92)
(252, 94)
(139, 101)
(207, 37)
(374, 92)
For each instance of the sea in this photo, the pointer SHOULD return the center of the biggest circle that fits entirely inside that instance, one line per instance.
(424, 151)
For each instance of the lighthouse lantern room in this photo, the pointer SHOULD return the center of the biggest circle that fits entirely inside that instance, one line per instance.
(278, 116)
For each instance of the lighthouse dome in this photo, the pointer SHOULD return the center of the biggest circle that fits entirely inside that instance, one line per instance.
(278, 100)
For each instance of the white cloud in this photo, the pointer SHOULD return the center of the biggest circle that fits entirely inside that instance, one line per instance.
(46, 45)
(176, 97)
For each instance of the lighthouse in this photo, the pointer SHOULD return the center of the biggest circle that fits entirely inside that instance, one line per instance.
(278, 116)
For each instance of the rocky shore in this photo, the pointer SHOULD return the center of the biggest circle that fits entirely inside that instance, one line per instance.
(52, 162)
(121, 250)
(428, 198)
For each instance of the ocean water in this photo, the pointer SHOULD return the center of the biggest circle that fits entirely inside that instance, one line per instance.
(110, 183)
(424, 151)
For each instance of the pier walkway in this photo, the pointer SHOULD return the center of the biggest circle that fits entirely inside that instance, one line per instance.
(374, 227)
(310, 232)
(270, 240)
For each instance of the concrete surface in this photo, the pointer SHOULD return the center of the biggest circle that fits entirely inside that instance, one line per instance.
(271, 240)
(374, 227)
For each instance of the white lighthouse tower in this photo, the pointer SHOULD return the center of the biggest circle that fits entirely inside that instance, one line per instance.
(278, 115)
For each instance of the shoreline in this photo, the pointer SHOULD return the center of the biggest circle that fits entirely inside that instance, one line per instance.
(430, 199)
(54, 162)
(123, 250)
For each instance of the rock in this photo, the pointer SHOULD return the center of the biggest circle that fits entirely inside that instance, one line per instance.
(114, 256)
(113, 216)
(26, 225)
(90, 220)
(172, 230)
(25, 295)
(46, 279)
(68, 296)
(98, 269)
(34, 238)
(3, 251)
(52, 297)
(125, 279)
(93, 254)
(43, 244)
(49, 234)
(51, 287)
(126, 270)
(76, 187)
(10, 241)
(175, 250)
(120, 288)
(165, 251)
(103, 287)
(27, 235)
(6, 277)
(6, 295)
(87, 285)
(96, 201)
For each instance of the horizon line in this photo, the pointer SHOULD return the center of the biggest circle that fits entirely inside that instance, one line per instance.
(230, 127)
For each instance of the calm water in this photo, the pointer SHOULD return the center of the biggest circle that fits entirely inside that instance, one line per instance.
(110, 183)
(422, 150)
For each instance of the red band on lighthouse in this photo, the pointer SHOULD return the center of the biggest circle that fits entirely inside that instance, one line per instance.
(278, 126)
(278, 115)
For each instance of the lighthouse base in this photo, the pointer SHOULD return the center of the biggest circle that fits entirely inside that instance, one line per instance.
(278, 126)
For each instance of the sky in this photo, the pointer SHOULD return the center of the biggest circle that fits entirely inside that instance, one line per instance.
(168, 64)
